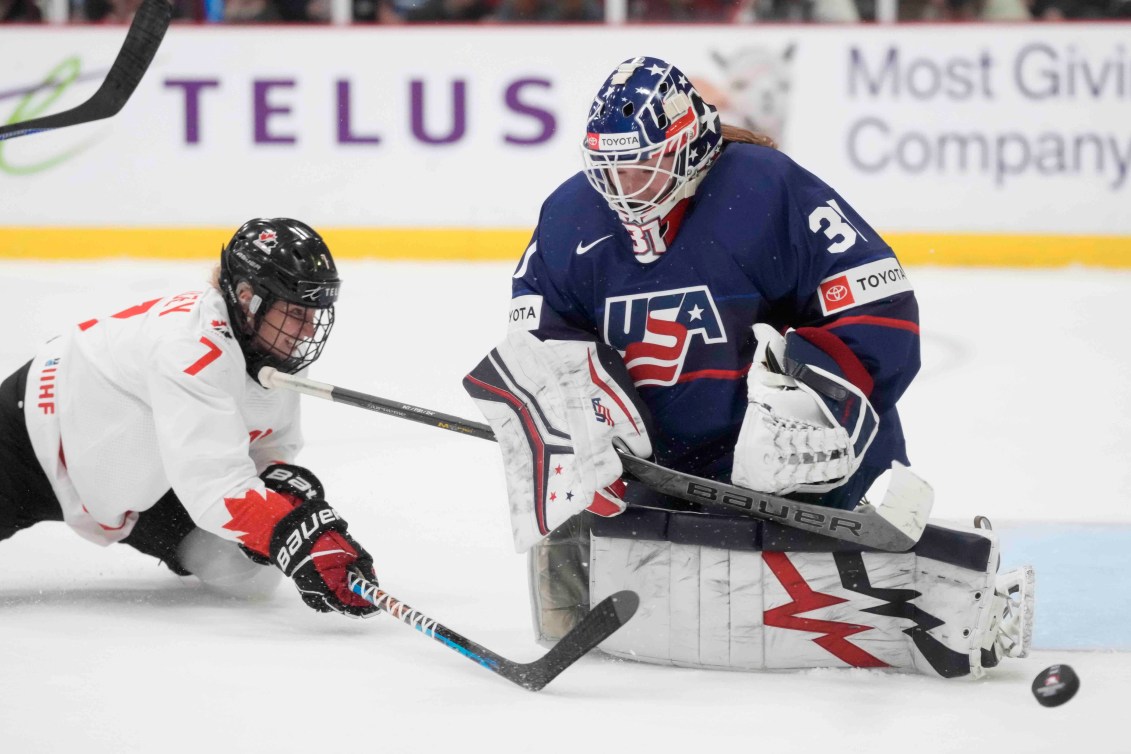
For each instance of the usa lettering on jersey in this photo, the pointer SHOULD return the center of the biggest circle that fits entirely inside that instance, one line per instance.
(862, 285)
(654, 331)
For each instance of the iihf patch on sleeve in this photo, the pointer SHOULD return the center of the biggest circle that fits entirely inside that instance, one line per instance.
(862, 285)
(525, 314)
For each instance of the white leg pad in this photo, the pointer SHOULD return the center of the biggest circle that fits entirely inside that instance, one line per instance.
(707, 607)
(221, 567)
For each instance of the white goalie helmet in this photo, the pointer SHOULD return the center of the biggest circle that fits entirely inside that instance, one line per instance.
(649, 140)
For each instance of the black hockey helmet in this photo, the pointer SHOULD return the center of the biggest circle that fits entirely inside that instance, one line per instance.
(293, 285)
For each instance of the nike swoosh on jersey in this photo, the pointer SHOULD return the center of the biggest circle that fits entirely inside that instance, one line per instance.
(582, 248)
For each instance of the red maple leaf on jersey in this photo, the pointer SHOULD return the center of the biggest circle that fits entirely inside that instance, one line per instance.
(254, 517)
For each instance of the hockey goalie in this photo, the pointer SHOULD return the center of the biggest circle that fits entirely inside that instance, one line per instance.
(696, 297)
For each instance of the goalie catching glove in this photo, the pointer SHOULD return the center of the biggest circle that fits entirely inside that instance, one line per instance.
(557, 407)
(311, 544)
(806, 429)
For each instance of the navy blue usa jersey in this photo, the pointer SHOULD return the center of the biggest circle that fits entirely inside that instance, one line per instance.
(763, 240)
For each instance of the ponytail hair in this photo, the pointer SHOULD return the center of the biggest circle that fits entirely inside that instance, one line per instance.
(745, 136)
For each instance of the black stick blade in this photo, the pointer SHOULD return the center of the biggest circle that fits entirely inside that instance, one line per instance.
(142, 40)
(612, 613)
(601, 622)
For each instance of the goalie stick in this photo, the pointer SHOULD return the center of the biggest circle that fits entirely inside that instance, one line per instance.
(894, 525)
(142, 40)
(609, 615)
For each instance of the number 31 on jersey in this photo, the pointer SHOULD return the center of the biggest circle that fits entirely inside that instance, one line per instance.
(830, 218)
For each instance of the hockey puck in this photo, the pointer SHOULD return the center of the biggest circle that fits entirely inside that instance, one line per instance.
(1055, 685)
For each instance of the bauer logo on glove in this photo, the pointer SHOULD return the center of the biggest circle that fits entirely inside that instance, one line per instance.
(295, 481)
(315, 523)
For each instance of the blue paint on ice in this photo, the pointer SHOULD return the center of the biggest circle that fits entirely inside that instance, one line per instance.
(1083, 581)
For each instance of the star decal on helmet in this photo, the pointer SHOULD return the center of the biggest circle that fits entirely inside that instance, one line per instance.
(708, 121)
(677, 136)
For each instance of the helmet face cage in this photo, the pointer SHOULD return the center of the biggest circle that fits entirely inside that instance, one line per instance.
(290, 336)
(649, 139)
(294, 286)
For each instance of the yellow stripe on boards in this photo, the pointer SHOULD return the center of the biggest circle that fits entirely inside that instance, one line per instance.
(447, 244)
(477, 244)
(993, 250)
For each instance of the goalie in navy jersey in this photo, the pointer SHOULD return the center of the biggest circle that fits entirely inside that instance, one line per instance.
(695, 296)
(149, 427)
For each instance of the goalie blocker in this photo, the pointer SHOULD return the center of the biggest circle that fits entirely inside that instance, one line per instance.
(741, 594)
(557, 408)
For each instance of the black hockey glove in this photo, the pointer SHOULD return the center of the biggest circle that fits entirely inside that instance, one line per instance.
(296, 484)
(311, 545)
(293, 481)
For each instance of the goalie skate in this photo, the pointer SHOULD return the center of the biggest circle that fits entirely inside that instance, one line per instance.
(1010, 633)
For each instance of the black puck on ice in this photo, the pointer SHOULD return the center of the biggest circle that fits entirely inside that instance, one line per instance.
(1055, 685)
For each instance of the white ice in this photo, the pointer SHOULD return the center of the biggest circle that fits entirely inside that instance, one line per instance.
(1018, 414)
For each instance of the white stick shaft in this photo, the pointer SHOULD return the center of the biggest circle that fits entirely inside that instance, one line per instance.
(273, 378)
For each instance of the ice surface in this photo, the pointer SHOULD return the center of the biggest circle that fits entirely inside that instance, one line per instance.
(1019, 414)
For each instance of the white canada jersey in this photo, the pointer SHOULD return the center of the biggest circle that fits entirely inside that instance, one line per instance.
(122, 408)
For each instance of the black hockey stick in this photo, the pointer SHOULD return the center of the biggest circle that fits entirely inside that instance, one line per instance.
(142, 40)
(609, 615)
(894, 525)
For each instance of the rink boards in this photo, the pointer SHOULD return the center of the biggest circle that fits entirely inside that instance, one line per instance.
(994, 144)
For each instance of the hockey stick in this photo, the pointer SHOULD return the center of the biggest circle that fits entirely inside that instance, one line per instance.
(609, 615)
(142, 40)
(894, 525)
